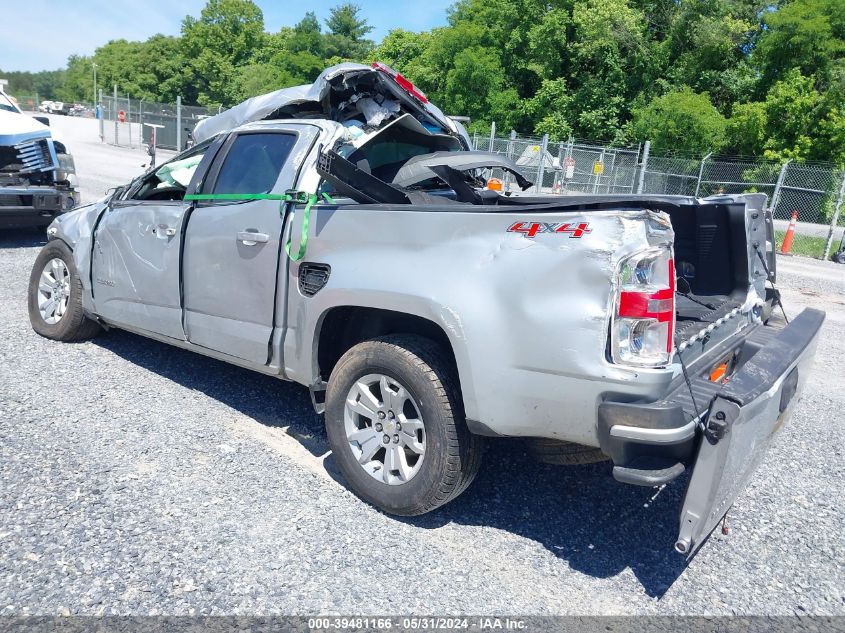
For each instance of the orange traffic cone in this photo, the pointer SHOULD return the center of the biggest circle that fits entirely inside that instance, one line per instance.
(790, 233)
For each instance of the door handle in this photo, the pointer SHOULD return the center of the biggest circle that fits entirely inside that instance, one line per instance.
(162, 231)
(250, 238)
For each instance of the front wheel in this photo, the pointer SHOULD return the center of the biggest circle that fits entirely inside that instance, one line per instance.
(395, 425)
(55, 296)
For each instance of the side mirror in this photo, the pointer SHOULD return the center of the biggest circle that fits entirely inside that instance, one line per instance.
(42, 119)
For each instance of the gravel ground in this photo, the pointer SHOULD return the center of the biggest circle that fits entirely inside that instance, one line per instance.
(136, 478)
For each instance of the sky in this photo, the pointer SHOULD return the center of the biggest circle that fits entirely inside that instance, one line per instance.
(80, 26)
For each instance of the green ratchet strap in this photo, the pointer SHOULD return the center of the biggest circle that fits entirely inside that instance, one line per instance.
(310, 199)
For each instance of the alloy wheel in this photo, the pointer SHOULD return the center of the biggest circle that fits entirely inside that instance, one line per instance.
(385, 429)
(53, 291)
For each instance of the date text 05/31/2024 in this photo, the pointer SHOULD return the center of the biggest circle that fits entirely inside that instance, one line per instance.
(416, 623)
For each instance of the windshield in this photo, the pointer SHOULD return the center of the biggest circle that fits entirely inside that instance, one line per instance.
(7, 104)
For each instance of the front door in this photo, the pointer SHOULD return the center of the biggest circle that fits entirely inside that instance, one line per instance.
(230, 266)
(135, 265)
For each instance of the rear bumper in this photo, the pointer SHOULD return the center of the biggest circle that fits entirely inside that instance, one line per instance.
(34, 206)
(724, 437)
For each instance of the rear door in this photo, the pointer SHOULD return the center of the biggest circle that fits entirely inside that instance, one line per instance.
(230, 265)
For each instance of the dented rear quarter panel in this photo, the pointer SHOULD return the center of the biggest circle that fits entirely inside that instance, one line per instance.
(527, 317)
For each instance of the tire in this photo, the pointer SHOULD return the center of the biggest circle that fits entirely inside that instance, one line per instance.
(452, 455)
(839, 257)
(72, 324)
(562, 453)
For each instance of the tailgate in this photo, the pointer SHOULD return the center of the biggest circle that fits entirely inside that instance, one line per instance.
(743, 418)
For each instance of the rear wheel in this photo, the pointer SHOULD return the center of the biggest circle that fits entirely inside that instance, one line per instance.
(395, 424)
(55, 296)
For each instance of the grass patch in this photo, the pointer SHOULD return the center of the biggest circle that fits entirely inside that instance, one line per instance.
(806, 245)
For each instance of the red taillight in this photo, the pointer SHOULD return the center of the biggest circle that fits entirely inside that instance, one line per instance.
(406, 85)
(659, 305)
(644, 320)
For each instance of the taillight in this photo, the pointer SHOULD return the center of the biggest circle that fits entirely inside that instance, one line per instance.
(406, 85)
(644, 317)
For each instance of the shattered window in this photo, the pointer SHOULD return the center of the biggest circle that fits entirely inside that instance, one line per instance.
(178, 172)
(170, 181)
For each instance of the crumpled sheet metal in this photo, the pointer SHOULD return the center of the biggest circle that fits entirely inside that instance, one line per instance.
(260, 107)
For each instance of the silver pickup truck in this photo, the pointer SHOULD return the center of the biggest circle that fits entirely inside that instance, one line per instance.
(341, 236)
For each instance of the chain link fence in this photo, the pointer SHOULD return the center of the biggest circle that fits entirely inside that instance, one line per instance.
(807, 195)
(130, 122)
(28, 103)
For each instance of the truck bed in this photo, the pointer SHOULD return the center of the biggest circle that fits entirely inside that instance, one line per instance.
(693, 313)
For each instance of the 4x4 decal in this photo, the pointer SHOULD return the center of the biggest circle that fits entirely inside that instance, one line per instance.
(530, 229)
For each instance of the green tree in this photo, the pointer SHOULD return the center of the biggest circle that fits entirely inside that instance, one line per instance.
(307, 36)
(617, 70)
(610, 65)
(550, 108)
(225, 37)
(476, 76)
(347, 32)
(680, 122)
(747, 129)
(400, 49)
(46, 83)
(805, 34)
(78, 82)
(792, 109)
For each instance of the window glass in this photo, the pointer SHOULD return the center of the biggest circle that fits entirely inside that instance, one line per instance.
(179, 172)
(254, 162)
(6, 104)
(170, 181)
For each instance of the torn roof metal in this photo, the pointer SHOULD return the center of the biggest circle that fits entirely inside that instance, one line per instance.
(316, 97)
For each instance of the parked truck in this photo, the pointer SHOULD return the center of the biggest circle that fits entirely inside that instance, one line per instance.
(37, 172)
(340, 235)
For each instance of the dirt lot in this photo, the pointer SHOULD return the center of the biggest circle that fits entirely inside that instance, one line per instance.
(137, 478)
